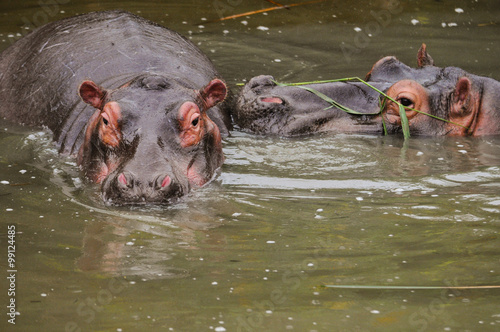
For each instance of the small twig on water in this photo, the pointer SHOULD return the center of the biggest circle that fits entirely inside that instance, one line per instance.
(265, 10)
(278, 4)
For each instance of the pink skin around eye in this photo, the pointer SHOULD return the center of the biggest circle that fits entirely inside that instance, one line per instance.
(104, 170)
(101, 174)
(191, 125)
(195, 178)
(109, 131)
(105, 116)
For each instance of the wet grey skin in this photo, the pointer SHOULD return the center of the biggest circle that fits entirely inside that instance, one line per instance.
(150, 72)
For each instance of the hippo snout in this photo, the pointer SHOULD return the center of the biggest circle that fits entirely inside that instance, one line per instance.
(261, 107)
(261, 82)
(129, 188)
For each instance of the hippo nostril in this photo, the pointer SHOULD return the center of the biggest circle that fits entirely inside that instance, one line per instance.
(261, 81)
(123, 179)
(162, 182)
(166, 181)
(273, 100)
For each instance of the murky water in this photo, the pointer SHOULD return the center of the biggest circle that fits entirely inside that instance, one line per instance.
(253, 250)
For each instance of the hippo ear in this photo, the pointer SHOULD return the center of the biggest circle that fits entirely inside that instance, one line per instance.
(461, 97)
(423, 58)
(92, 94)
(462, 90)
(214, 93)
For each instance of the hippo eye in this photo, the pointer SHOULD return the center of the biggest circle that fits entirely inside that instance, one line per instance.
(406, 102)
(105, 121)
(195, 121)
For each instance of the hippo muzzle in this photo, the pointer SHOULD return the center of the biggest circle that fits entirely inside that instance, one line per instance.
(146, 178)
(128, 188)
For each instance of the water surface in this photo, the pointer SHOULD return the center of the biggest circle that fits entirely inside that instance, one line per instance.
(252, 250)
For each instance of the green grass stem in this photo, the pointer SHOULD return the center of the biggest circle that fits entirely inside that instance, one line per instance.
(402, 110)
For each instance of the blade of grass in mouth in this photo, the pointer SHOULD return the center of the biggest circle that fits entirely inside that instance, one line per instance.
(402, 110)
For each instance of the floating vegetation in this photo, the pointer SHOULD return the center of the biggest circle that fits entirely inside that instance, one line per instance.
(408, 287)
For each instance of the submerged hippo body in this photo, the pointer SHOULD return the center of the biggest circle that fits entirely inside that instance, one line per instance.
(471, 102)
(135, 101)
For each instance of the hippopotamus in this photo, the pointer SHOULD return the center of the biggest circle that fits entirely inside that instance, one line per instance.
(456, 102)
(140, 107)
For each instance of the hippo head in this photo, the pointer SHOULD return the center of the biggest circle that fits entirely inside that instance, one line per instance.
(150, 140)
(263, 107)
(466, 102)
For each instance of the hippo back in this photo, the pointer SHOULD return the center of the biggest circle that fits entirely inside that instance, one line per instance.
(40, 74)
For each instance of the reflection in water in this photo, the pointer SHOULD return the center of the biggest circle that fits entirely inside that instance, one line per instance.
(139, 244)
